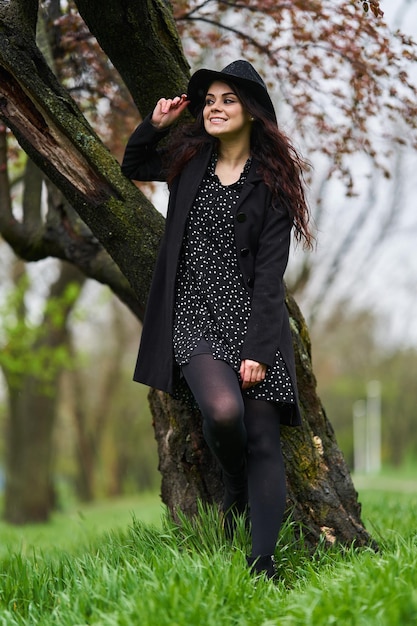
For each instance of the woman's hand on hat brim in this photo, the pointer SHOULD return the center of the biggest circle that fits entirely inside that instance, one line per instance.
(168, 110)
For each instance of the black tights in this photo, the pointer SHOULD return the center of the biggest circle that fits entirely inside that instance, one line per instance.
(237, 428)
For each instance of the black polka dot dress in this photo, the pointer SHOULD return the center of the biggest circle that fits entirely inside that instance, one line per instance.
(212, 306)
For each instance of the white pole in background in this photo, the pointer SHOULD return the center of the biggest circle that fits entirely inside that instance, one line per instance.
(359, 437)
(373, 414)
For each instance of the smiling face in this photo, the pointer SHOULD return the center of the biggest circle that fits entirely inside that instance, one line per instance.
(223, 114)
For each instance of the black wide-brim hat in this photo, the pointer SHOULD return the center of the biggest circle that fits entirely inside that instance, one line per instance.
(240, 73)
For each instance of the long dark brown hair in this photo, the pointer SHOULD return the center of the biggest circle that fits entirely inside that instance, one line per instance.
(281, 167)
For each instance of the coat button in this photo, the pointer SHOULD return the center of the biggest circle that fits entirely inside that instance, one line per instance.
(244, 252)
(241, 217)
(249, 282)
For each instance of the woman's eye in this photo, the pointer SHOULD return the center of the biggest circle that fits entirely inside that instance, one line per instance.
(210, 101)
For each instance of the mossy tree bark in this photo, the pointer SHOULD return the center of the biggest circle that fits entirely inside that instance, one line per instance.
(51, 129)
(321, 495)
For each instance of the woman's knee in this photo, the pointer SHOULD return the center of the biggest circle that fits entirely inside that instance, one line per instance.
(263, 429)
(224, 413)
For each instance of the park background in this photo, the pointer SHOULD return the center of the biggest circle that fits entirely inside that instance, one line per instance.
(356, 291)
(359, 301)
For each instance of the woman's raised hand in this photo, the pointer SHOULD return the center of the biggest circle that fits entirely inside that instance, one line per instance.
(167, 110)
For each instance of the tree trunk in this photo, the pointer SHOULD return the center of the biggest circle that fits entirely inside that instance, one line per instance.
(91, 421)
(150, 29)
(321, 495)
(51, 129)
(29, 494)
(54, 133)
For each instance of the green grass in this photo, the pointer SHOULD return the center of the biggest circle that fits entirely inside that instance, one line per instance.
(74, 529)
(149, 574)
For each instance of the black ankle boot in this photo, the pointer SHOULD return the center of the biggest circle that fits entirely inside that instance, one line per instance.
(263, 564)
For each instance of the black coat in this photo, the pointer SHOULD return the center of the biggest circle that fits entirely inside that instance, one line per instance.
(262, 236)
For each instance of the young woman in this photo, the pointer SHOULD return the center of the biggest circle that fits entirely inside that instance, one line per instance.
(216, 312)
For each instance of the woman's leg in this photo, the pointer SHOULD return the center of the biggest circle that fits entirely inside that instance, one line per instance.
(266, 474)
(216, 388)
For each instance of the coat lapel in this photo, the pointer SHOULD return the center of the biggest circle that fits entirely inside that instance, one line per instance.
(190, 179)
(252, 179)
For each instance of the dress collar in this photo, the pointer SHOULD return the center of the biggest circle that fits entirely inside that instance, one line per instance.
(243, 175)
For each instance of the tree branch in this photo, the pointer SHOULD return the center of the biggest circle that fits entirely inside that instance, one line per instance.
(140, 23)
(55, 135)
(32, 197)
(5, 197)
(24, 12)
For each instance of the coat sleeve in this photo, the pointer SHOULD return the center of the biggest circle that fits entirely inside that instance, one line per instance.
(268, 310)
(142, 159)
